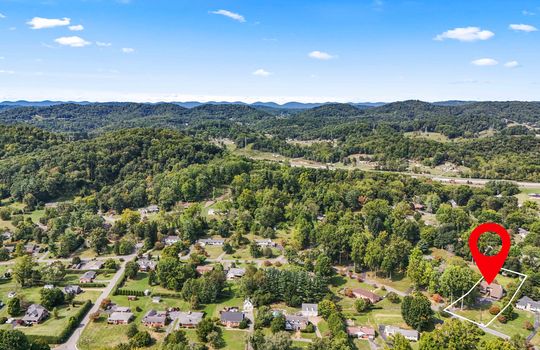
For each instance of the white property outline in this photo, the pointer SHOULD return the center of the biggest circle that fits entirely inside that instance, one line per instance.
(500, 312)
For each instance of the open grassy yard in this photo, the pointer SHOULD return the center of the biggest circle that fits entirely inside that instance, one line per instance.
(399, 282)
(433, 136)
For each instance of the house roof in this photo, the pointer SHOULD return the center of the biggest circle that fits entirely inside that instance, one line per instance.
(496, 290)
(366, 294)
(89, 275)
(231, 316)
(121, 316)
(310, 307)
(190, 317)
(525, 300)
(153, 316)
(296, 319)
(360, 329)
(71, 289)
(236, 271)
(34, 313)
(404, 332)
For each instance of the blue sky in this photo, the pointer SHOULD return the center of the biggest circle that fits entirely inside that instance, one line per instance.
(270, 50)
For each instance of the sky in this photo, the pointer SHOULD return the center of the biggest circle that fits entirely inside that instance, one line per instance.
(269, 50)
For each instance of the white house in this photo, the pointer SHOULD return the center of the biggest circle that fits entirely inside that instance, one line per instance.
(528, 304)
(248, 305)
(409, 334)
(310, 310)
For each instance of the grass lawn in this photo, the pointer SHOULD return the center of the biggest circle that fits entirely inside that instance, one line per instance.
(212, 310)
(213, 251)
(399, 282)
(435, 136)
(362, 344)
(234, 340)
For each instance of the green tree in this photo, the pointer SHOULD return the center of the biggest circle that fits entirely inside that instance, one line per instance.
(23, 270)
(14, 306)
(416, 311)
(399, 342)
(453, 334)
(132, 268)
(278, 324)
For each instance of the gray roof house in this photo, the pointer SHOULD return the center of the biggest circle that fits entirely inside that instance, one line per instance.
(35, 314)
(295, 322)
(189, 319)
(235, 272)
(146, 264)
(231, 318)
(170, 240)
(155, 318)
(528, 304)
(120, 317)
(409, 334)
(72, 289)
(88, 277)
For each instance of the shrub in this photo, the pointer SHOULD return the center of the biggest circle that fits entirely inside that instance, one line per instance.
(528, 325)
(309, 329)
(502, 319)
(243, 324)
(494, 310)
(393, 297)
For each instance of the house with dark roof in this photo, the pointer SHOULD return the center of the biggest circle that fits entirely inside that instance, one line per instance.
(366, 294)
(35, 314)
(72, 289)
(494, 291)
(231, 318)
(88, 277)
(528, 304)
(361, 332)
(296, 322)
(155, 319)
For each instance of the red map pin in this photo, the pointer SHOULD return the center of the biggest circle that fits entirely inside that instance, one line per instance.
(489, 265)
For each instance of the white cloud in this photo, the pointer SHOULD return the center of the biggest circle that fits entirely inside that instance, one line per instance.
(512, 64)
(2, 58)
(128, 50)
(236, 16)
(103, 44)
(527, 13)
(76, 28)
(466, 34)
(73, 41)
(2, 15)
(321, 55)
(2, 71)
(523, 28)
(485, 62)
(262, 73)
(41, 23)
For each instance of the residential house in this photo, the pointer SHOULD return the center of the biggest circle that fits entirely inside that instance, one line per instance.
(202, 269)
(93, 265)
(494, 291)
(149, 209)
(265, 242)
(310, 310)
(528, 304)
(72, 289)
(235, 272)
(120, 317)
(248, 305)
(7, 235)
(170, 240)
(124, 309)
(10, 248)
(156, 300)
(409, 334)
(155, 319)
(366, 294)
(231, 318)
(361, 332)
(48, 286)
(522, 232)
(211, 241)
(88, 277)
(35, 314)
(296, 322)
(146, 264)
(31, 248)
(189, 319)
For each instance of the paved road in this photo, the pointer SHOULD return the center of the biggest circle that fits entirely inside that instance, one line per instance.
(300, 162)
(71, 343)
